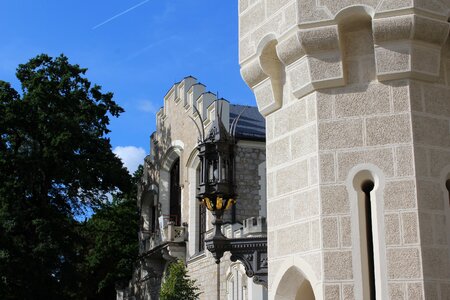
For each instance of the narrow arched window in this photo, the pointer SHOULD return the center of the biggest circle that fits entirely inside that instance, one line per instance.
(175, 193)
(201, 220)
(447, 185)
(366, 236)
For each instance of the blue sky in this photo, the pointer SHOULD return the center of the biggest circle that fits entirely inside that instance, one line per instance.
(134, 48)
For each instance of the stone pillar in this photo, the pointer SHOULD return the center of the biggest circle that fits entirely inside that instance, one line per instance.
(355, 93)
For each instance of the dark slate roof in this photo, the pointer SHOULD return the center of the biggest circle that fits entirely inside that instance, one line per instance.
(251, 125)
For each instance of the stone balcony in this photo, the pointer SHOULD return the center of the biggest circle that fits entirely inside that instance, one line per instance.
(170, 234)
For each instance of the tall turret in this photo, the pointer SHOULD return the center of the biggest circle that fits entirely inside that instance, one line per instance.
(356, 96)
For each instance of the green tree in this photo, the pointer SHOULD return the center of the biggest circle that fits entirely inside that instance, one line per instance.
(110, 244)
(177, 284)
(55, 159)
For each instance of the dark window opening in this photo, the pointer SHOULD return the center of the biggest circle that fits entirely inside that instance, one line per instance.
(447, 185)
(201, 215)
(367, 187)
(201, 228)
(175, 193)
(153, 224)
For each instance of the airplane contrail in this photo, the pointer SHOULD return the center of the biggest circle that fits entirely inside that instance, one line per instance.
(120, 14)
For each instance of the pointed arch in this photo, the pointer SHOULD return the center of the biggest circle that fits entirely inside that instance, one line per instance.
(295, 280)
(170, 157)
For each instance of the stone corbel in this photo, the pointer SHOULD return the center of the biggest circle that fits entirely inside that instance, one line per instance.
(264, 75)
(290, 49)
(409, 46)
(313, 59)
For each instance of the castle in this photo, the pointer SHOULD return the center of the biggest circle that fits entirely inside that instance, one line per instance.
(174, 224)
(356, 99)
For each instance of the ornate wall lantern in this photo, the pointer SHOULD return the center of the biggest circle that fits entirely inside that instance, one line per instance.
(216, 187)
(216, 191)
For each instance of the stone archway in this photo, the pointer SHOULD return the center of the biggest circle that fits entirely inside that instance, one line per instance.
(294, 286)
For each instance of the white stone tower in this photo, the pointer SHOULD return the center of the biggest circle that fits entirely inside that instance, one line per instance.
(356, 95)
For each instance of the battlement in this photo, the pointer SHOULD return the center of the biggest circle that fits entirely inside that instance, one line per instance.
(255, 226)
(191, 96)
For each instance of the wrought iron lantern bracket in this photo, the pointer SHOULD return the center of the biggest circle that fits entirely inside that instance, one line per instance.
(250, 251)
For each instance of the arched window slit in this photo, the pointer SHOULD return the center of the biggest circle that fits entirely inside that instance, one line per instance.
(447, 185)
(366, 210)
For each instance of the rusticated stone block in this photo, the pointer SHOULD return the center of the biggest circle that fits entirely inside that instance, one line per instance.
(404, 161)
(334, 200)
(274, 5)
(429, 195)
(348, 292)
(388, 130)
(400, 96)
(382, 158)
(437, 100)
(305, 204)
(414, 291)
(346, 232)
(278, 152)
(291, 178)
(332, 292)
(399, 195)
(330, 232)
(340, 134)
(279, 212)
(326, 168)
(251, 18)
(410, 227)
(337, 265)
(289, 243)
(304, 142)
(397, 291)
(403, 263)
(361, 102)
(392, 229)
(435, 263)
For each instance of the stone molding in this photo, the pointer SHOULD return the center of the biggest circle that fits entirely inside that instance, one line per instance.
(306, 58)
(264, 75)
(409, 46)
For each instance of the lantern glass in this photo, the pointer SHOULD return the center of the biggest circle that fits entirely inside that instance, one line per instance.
(210, 171)
(224, 170)
(215, 171)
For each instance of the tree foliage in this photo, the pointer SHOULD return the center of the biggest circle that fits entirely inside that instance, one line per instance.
(178, 285)
(55, 159)
(111, 244)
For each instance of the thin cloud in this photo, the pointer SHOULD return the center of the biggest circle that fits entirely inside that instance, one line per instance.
(152, 45)
(131, 156)
(146, 106)
(120, 14)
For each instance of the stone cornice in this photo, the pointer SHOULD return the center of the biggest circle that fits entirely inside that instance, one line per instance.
(309, 56)
(410, 27)
(409, 46)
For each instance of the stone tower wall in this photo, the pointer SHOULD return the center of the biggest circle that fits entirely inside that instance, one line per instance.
(353, 91)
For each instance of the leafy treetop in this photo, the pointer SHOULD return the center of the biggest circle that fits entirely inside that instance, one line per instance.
(178, 285)
(55, 159)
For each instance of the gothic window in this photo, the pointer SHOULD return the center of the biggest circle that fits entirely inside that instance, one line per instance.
(175, 193)
(236, 283)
